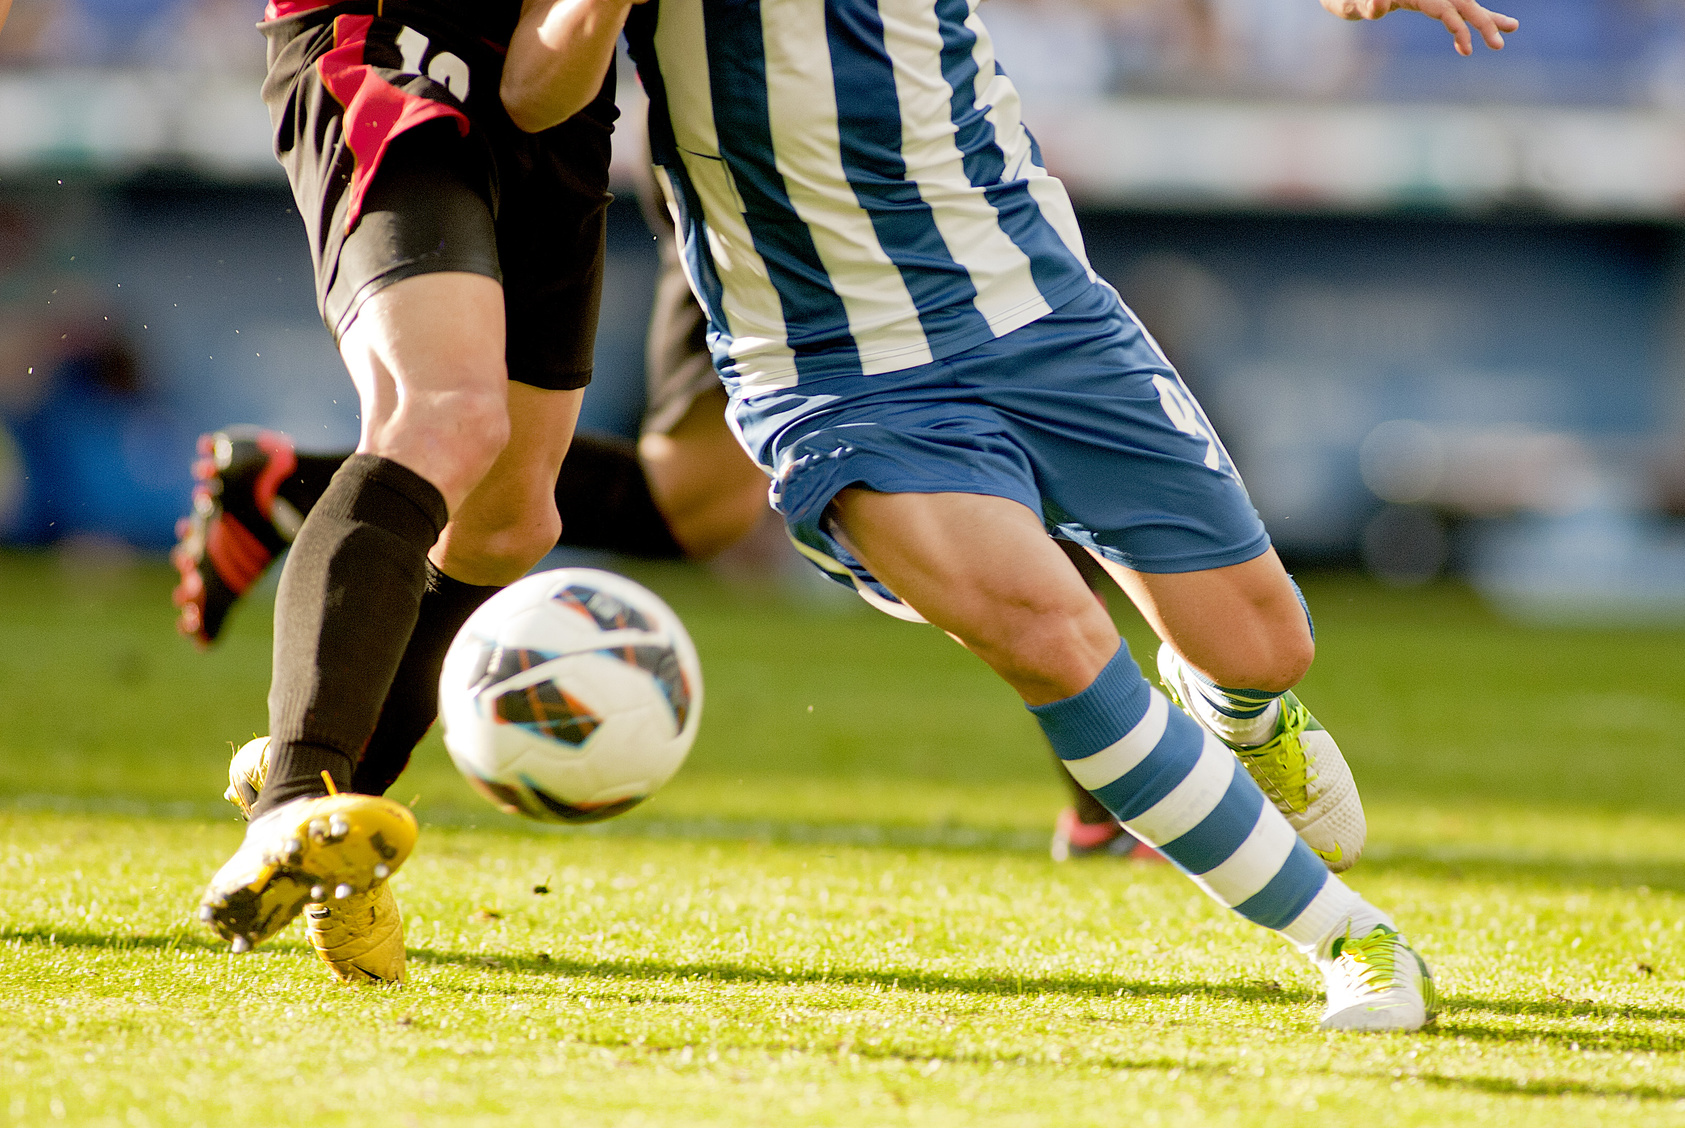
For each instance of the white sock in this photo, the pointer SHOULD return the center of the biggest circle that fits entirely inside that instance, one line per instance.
(1243, 718)
(1244, 732)
(1332, 913)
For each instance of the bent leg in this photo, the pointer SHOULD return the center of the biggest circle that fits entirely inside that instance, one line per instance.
(500, 531)
(1236, 640)
(426, 355)
(1239, 626)
(508, 522)
(983, 569)
(709, 491)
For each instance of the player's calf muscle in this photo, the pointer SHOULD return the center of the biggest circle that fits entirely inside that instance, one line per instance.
(1240, 625)
(1045, 655)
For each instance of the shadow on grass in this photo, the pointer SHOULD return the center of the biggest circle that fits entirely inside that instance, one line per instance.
(1074, 986)
(1564, 1037)
(1509, 1087)
(1495, 868)
(891, 1049)
(549, 966)
(186, 938)
(1561, 1008)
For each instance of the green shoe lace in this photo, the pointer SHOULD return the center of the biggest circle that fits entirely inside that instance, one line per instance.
(1373, 955)
(1375, 961)
(1282, 767)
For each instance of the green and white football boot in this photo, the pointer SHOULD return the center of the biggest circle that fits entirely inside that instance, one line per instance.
(1300, 768)
(1376, 982)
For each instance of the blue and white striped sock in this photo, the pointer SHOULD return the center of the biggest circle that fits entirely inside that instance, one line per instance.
(1180, 789)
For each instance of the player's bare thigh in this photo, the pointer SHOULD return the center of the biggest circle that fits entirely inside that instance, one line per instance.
(426, 356)
(1241, 626)
(984, 569)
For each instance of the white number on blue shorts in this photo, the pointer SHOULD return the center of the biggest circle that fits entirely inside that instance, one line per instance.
(1186, 416)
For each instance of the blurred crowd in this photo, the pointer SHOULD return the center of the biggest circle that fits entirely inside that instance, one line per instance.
(1590, 52)
(1586, 52)
(200, 35)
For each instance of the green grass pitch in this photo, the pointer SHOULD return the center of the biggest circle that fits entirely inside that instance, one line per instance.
(841, 912)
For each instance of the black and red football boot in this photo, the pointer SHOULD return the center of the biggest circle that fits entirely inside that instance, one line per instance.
(1073, 838)
(239, 524)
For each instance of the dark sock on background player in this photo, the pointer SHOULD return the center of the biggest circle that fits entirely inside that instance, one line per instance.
(602, 495)
(605, 501)
(412, 704)
(364, 545)
(254, 490)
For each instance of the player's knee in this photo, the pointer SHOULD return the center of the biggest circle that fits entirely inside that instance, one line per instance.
(1274, 664)
(453, 440)
(526, 545)
(705, 529)
(478, 424)
(501, 548)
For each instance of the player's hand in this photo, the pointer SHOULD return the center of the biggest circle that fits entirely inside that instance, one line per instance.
(1462, 18)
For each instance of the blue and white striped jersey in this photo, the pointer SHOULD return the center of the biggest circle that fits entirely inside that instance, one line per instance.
(854, 186)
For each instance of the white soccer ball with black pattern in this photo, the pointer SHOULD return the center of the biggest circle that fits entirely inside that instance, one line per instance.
(570, 696)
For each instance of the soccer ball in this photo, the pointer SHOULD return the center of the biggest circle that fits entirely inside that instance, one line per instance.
(570, 696)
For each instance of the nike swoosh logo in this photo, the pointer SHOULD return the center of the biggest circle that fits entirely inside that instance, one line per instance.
(1333, 855)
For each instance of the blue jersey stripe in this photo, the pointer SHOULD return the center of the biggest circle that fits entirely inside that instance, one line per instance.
(1295, 885)
(693, 232)
(1055, 270)
(869, 130)
(815, 319)
(1217, 836)
(692, 225)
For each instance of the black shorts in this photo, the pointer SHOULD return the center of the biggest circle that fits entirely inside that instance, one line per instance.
(403, 162)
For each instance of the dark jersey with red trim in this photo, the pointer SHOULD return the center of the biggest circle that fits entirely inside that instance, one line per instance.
(348, 78)
(492, 20)
(395, 64)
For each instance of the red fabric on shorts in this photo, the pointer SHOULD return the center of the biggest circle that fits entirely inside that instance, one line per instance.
(280, 9)
(375, 110)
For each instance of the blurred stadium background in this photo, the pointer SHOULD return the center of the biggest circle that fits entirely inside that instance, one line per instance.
(1433, 304)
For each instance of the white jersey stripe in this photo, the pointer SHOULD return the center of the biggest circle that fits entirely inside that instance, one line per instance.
(752, 314)
(801, 96)
(908, 223)
(969, 224)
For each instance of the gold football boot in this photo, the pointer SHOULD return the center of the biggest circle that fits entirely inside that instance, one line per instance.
(346, 844)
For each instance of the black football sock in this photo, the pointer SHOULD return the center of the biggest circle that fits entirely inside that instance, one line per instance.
(309, 480)
(412, 704)
(347, 603)
(604, 500)
(601, 493)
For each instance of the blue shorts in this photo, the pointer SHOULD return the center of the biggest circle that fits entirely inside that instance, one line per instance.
(1077, 416)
